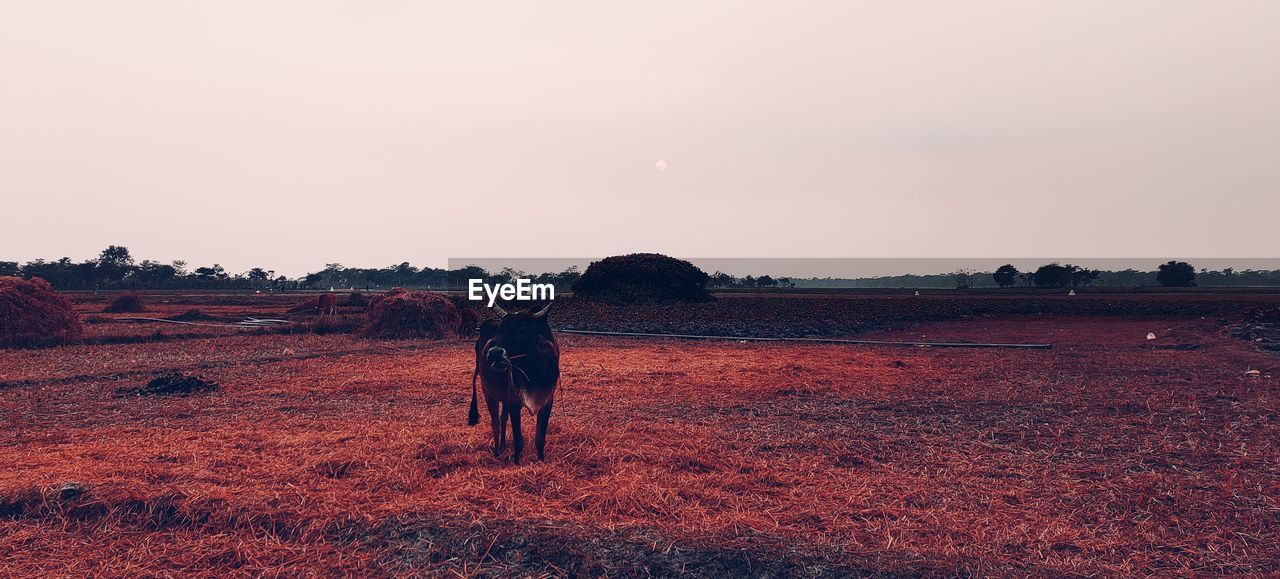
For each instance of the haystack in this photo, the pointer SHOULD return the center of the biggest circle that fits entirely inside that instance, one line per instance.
(403, 314)
(641, 278)
(32, 314)
(129, 303)
(470, 316)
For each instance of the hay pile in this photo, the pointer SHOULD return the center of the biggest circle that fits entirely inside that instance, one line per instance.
(470, 316)
(171, 383)
(404, 314)
(31, 314)
(642, 278)
(130, 303)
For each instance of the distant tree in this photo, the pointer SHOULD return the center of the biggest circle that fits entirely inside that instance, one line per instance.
(963, 278)
(179, 267)
(9, 268)
(403, 272)
(1006, 275)
(766, 281)
(115, 256)
(564, 280)
(1052, 275)
(507, 275)
(154, 273)
(749, 281)
(722, 279)
(258, 277)
(786, 282)
(212, 272)
(1176, 274)
(114, 263)
(332, 274)
(458, 277)
(1081, 277)
(86, 274)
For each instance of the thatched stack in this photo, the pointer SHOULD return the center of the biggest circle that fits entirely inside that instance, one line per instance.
(403, 314)
(32, 314)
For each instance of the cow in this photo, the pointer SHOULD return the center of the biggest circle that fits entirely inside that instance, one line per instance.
(518, 364)
(328, 304)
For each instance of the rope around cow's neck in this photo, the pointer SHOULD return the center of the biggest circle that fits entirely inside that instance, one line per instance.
(527, 380)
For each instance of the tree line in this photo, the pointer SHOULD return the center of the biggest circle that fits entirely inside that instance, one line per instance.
(115, 268)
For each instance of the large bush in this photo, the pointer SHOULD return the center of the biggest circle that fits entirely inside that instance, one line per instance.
(403, 314)
(32, 314)
(642, 278)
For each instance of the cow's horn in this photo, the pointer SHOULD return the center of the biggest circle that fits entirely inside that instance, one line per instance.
(501, 312)
(542, 313)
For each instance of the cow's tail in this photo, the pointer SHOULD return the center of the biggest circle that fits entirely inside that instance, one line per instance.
(473, 417)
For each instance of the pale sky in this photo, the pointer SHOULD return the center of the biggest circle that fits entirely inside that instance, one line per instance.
(290, 134)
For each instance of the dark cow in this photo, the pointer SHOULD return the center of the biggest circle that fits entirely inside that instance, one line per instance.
(518, 364)
(328, 304)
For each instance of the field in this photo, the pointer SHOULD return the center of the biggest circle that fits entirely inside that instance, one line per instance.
(325, 453)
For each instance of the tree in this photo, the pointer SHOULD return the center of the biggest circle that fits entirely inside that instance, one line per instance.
(1081, 277)
(766, 281)
(403, 272)
(258, 276)
(963, 278)
(1176, 274)
(9, 268)
(114, 263)
(1052, 275)
(722, 279)
(155, 273)
(1006, 275)
(86, 274)
(211, 272)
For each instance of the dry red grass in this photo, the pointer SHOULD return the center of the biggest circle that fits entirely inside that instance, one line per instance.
(1109, 454)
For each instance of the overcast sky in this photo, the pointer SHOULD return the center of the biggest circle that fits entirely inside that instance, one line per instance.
(290, 134)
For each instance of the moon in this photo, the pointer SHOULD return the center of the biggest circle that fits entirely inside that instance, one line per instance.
(661, 165)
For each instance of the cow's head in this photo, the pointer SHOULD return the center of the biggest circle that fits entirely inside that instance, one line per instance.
(518, 335)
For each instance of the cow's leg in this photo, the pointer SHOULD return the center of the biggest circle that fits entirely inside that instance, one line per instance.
(540, 439)
(517, 439)
(502, 425)
(497, 420)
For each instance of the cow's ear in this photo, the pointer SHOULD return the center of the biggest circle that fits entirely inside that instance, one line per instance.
(542, 313)
(501, 312)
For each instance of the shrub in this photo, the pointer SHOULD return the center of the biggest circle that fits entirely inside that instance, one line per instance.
(129, 303)
(355, 300)
(32, 314)
(402, 314)
(642, 278)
